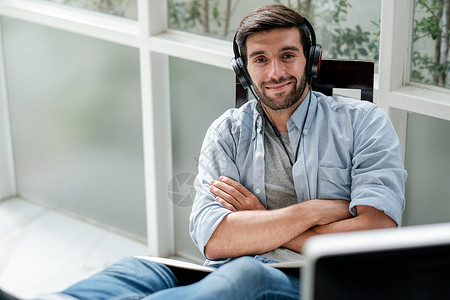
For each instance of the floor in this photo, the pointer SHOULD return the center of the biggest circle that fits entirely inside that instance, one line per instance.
(44, 251)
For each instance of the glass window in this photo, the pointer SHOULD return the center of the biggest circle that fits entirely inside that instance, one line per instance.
(121, 8)
(345, 28)
(430, 48)
(196, 101)
(76, 125)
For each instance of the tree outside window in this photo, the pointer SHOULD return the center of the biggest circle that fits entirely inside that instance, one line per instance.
(342, 32)
(430, 48)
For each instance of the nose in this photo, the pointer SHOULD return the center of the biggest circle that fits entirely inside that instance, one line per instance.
(276, 69)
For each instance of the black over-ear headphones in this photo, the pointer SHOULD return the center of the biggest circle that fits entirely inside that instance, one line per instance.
(238, 65)
(313, 59)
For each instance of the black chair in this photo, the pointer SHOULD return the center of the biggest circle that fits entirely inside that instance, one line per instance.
(344, 74)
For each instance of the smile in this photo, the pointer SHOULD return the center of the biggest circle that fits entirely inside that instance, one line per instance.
(278, 86)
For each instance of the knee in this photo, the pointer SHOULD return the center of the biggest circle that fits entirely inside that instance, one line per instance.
(247, 263)
(132, 265)
(255, 278)
(126, 262)
(246, 267)
(134, 269)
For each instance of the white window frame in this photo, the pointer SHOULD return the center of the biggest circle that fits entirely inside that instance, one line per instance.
(8, 186)
(156, 43)
(395, 93)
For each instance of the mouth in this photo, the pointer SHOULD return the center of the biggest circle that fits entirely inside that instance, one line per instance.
(279, 86)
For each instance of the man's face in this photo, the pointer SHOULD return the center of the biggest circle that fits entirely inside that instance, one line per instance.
(276, 65)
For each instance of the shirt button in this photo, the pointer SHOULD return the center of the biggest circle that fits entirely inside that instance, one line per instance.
(258, 154)
(257, 191)
(305, 131)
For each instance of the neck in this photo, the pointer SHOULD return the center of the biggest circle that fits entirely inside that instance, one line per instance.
(280, 117)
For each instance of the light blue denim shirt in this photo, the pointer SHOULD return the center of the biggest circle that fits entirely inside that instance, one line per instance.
(348, 150)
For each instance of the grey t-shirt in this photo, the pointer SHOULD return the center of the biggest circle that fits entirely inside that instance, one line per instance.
(279, 183)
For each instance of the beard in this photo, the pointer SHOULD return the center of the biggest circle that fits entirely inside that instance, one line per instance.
(289, 99)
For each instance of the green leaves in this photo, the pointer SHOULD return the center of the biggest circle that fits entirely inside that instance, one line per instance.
(352, 43)
(190, 15)
(431, 42)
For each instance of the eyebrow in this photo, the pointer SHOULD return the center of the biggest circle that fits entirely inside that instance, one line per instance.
(255, 53)
(292, 48)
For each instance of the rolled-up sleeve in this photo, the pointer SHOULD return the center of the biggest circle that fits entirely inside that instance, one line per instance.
(378, 174)
(216, 159)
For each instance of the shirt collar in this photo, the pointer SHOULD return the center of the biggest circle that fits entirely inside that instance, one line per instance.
(304, 113)
(295, 122)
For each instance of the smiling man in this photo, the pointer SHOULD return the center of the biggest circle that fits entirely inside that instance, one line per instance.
(277, 63)
(293, 163)
(286, 166)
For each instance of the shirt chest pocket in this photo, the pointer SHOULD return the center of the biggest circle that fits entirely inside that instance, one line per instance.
(334, 183)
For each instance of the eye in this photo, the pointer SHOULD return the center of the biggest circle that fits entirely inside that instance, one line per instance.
(288, 55)
(260, 60)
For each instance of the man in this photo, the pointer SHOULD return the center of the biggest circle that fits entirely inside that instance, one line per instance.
(273, 173)
(341, 149)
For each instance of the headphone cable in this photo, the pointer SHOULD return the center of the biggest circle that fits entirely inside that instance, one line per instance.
(278, 134)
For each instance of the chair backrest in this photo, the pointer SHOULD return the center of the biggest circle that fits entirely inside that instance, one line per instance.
(343, 74)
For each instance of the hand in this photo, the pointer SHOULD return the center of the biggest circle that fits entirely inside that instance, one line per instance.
(297, 243)
(328, 212)
(234, 196)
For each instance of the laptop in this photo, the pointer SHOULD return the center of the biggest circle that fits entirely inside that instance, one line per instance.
(402, 263)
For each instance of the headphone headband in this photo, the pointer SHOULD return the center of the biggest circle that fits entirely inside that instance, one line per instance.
(312, 33)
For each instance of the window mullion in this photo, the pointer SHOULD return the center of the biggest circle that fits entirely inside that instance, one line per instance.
(93, 24)
(156, 129)
(8, 186)
(394, 47)
(193, 47)
(394, 59)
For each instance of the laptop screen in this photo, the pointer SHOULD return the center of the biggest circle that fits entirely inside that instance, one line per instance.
(381, 264)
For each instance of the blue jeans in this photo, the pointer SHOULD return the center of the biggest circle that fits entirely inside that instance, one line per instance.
(133, 278)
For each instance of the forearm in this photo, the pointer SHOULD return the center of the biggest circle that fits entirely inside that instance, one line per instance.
(367, 218)
(297, 243)
(254, 232)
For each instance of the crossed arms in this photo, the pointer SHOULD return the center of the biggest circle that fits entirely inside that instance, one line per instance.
(251, 229)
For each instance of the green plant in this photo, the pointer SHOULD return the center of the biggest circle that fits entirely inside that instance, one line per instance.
(213, 16)
(344, 42)
(352, 43)
(432, 23)
(203, 16)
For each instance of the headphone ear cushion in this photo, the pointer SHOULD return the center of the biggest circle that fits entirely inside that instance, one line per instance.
(241, 72)
(315, 57)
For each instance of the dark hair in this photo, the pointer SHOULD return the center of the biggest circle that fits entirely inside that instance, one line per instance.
(269, 17)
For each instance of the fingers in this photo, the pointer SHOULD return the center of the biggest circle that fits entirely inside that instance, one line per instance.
(236, 185)
(226, 204)
(226, 193)
(231, 187)
(233, 195)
